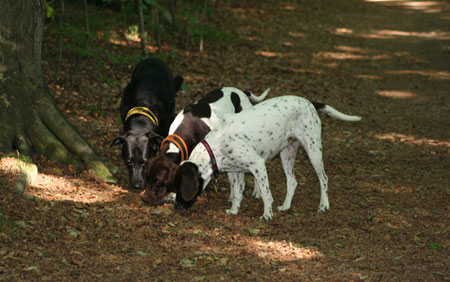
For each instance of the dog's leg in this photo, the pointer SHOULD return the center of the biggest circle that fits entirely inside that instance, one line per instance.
(287, 157)
(260, 173)
(256, 192)
(231, 181)
(313, 146)
(237, 183)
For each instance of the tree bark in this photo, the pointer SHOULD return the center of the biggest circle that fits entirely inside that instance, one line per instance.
(29, 119)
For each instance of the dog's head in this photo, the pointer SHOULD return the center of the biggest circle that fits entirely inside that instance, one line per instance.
(137, 148)
(160, 172)
(188, 184)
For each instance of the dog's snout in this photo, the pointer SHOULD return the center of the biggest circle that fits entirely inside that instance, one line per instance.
(137, 184)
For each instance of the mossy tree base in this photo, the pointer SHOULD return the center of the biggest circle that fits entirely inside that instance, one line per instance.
(29, 119)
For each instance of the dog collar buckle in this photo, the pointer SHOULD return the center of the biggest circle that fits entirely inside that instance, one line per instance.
(211, 156)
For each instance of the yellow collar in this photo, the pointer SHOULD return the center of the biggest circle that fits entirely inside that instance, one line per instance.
(143, 111)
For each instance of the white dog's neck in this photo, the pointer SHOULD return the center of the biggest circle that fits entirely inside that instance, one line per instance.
(202, 160)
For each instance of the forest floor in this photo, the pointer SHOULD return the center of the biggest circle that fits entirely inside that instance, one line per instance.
(389, 178)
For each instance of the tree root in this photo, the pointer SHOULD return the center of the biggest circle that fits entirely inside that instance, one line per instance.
(28, 174)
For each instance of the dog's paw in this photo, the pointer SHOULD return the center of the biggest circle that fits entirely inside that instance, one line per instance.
(231, 211)
(266, 217)
(170, 198)
(283, 208)
(323, 208)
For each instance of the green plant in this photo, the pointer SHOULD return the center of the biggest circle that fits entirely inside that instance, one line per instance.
(21, 157)
(50, 11)
(93, 109)
(110, 80)
(435, 246)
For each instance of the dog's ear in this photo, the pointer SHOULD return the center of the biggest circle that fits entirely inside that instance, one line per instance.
(177, 81)
(188, 181)
(154, 140)
(118, 141)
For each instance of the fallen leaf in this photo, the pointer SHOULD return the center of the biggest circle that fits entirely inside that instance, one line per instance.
(186, 262)
(141, 254)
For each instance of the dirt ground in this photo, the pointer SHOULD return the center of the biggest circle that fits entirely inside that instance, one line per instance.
(389, 183)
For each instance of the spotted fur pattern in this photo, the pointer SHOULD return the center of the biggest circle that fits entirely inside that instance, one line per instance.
(243, 142)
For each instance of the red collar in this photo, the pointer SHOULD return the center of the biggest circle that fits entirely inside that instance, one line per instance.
(211, 156)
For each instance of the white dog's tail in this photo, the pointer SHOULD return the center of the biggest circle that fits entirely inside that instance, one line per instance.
(330, 111)
(256, 99)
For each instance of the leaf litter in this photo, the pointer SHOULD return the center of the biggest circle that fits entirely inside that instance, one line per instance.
(388, 174)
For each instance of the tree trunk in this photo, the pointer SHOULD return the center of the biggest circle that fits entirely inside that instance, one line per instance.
(156, 26)
(141, 28)
(86, 24)
(29, 120)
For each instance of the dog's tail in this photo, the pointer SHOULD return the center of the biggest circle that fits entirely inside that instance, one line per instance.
(330, 111)
(256, 99)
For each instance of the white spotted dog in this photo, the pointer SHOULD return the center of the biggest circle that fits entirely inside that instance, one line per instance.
(243, 142)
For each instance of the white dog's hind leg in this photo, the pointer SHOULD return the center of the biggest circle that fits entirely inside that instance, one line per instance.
(237, 185)
(313, 147)
(287, 157)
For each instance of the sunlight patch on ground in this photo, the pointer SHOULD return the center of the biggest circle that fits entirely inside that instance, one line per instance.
(269, 250)
(56, 188)
(394, 34)
(9, 164)
(130, 39)
(268, 54)
(339, 56)
(396, 94)
(345, 52)
(443, 75)
(424, 6)
(281, 250)
(368, 77)
(409, 139)
(64, 188)
(296, 34)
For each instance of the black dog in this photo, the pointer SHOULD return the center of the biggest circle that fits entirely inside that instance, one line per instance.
(147, 110)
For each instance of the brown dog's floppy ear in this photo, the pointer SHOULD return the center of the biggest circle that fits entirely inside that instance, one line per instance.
(188, 181)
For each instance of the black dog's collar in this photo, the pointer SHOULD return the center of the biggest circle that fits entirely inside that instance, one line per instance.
(211, 156)
(143, 111)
